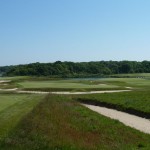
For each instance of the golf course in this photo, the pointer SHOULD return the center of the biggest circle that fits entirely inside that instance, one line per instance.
(75, 75)
(52, 120)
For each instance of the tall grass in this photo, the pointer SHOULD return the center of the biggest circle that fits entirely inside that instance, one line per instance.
(137, 100)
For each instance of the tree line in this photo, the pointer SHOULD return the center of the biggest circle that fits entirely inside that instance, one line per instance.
(76, 69)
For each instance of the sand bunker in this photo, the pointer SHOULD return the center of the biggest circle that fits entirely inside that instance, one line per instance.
(73, 93)
(133, 121)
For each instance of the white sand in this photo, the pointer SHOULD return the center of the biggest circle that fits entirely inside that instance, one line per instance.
(133, 121)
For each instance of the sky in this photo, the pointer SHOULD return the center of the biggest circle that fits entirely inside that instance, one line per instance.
(74, 30)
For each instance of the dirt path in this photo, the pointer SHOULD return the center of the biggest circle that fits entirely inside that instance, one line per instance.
(73, 93)
(133, 121)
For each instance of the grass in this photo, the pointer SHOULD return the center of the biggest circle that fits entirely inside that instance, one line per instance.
(13, 107)
(59, 123)
(47, 84)
(6, 101)
(15, 78)
(133, 75)
(134, 100)
(133, 82)
(85, 85)
(62, 84)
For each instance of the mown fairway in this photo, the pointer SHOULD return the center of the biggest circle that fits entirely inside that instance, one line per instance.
(63, 84)
(92, 83)
(89, 84)
(13, 107)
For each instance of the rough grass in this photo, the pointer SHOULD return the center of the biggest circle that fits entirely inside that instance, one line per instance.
(133, 82)
(137, 100)
(16, 78)
(7, 85)
(130, 75)
(59, 123)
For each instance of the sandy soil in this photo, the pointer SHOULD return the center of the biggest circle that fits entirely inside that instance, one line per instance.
(133, 121)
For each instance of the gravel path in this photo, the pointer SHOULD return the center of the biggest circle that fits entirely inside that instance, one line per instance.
(133, 121)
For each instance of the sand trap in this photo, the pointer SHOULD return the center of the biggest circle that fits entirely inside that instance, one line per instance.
(5, 81)
(90, 92)
(33, 92)
(102, 84)
(73, 93)
(129, 87)
(133, 121)
(9, 89)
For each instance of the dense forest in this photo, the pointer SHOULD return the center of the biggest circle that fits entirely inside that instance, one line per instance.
(78, 69)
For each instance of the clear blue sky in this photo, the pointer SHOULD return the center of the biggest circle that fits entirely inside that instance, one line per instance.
(74, 30)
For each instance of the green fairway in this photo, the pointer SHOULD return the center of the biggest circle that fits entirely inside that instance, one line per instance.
(62, 84)
(42, 83)
(8, 100)
(92, 84)
(13, 107)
